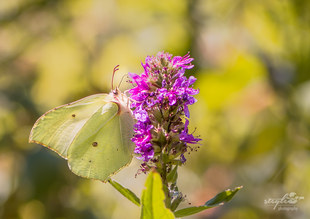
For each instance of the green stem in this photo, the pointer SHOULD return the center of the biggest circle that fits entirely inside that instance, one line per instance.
(163, 174)
(166, 188)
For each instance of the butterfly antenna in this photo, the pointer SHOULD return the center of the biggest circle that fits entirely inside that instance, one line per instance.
(114, 70)
(121, 80)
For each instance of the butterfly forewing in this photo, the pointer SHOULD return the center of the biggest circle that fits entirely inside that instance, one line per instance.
(57, 128)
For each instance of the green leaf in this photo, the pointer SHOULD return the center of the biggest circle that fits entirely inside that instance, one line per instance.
(176, 202)
(153, 206)
(125, 192)
(217, 200)
(173, 175)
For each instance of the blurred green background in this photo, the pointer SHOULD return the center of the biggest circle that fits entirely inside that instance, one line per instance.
(252, 61)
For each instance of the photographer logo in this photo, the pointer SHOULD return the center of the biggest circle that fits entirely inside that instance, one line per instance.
(287, 203)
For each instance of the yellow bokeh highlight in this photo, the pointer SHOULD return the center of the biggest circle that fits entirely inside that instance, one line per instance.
(33, 209)
(61, 68)
(220, 87)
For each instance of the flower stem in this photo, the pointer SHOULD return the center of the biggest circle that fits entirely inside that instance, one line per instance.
(165, 184)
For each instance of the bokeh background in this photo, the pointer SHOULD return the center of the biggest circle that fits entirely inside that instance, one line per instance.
(252, 61)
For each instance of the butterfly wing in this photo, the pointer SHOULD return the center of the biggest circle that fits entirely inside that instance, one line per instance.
(92, 133)
(105, 146)
(57, 128)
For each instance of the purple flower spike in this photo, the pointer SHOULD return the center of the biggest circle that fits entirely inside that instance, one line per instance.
(160, 100)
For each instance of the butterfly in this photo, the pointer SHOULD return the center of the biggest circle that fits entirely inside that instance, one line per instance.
(93, 133)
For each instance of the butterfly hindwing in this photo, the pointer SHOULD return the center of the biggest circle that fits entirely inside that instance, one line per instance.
(103, 148)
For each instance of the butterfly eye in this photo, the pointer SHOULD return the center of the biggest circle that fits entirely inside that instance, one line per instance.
(73, 115)
(95, 144)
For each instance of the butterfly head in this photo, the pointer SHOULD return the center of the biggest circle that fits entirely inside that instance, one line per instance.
(116, 91)
(118, 97)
